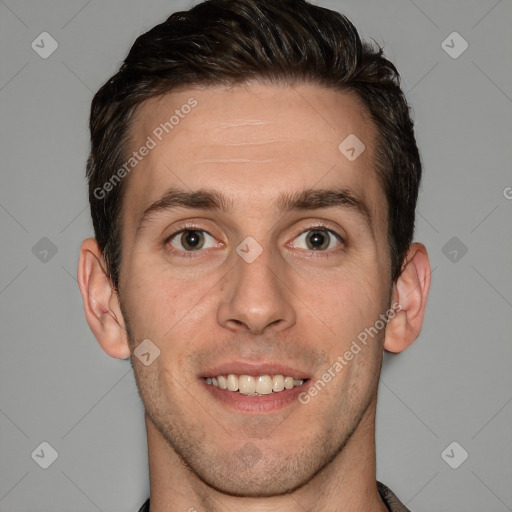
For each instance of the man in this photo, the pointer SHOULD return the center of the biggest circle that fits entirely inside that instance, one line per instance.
(253, 178)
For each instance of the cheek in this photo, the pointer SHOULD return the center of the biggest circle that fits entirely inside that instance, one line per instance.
(169, 310)
(153, 291)
(351, 300)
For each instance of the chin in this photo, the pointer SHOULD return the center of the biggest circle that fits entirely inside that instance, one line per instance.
(256, 483)
(254, 472)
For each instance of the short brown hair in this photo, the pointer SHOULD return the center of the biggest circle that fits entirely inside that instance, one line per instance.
(230, 42)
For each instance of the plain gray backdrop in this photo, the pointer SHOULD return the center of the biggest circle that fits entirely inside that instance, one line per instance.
(454, 385)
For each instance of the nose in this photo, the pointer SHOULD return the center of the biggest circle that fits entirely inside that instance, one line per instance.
(257, 299)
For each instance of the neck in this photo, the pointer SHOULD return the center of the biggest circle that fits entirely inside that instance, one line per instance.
(347, 483)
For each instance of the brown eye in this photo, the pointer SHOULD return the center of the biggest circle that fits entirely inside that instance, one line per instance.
(318, 239)
(192, 240)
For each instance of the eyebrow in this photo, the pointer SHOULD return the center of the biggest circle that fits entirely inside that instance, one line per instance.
(213, 200)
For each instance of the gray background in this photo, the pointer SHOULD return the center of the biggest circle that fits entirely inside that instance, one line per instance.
(453, 384)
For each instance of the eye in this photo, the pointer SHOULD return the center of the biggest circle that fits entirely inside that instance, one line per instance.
(318, 239)
(191, 240)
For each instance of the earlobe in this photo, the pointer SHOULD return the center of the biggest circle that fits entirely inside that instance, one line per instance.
(101, 303)
(411, 293)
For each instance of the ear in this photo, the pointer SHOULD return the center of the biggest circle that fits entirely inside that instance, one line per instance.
(101, 302)
(410, 294)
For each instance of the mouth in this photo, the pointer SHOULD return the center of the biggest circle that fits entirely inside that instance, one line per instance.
(254, 385)
(251, 388)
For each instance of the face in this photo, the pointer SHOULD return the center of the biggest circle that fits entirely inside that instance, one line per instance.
(254, 247)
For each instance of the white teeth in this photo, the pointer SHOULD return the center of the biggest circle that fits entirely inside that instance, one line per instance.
(232, 382)
(278, 383)
(264, 385)
(249, 385)
(246, 384)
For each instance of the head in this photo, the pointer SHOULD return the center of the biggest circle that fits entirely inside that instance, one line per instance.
(271, 130)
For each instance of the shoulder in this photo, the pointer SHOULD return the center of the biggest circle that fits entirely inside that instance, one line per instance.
(145, 507)
(390, 500)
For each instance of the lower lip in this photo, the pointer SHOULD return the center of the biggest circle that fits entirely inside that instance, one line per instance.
(256, 404)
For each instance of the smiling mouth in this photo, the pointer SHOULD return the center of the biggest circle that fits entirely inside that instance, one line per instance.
(254, 385)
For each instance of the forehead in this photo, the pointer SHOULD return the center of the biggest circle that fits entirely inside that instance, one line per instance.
(254, 142)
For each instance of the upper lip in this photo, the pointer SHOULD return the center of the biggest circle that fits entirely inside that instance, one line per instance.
(243, 368)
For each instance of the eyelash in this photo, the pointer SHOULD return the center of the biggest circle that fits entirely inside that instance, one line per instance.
(192, 227)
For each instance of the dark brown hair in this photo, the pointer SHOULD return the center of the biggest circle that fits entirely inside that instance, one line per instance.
(230, 42)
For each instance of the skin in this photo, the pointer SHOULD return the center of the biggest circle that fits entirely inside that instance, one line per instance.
(292, 305)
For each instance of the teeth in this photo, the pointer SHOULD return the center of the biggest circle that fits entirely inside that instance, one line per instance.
(246, 384)
(232, 382)
(264, 385)
(254, 385)
(278, 383)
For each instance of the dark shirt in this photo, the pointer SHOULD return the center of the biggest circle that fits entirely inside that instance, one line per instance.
(388, 497)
